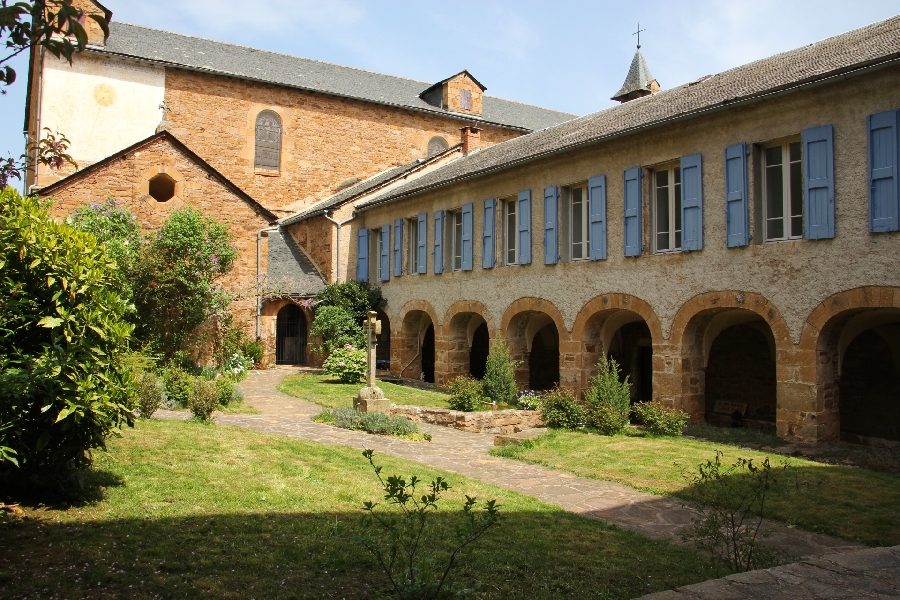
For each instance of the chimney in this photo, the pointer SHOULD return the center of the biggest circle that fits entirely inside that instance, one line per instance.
(471, 139)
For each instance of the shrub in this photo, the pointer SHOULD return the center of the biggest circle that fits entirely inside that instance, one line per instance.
(348, 417)
(465, 394)
(354, 297)
(238, 396)
(254, 351)
(177, 383)
(225, 390)
(150, 394)
(528, 400)
(347, 364)
(559, 408)
(203, 398)
(608, 398)
(499, 382)
(64, 384)
(236, 367)
(660, 419)
(337, 328)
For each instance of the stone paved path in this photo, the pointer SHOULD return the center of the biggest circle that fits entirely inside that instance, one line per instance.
(467, 454)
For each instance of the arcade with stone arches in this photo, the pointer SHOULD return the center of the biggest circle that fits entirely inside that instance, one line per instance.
(729, 358)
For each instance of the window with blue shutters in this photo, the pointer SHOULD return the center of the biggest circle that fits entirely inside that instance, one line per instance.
(466, 215)
(633, 207)
(818, 171)
(384, 262)
(488, 235)
(524, 222)
(398, 247)
(510, 231)
(419, 245)
(551, 225)
(782, 187)
(596, 231)
(362, 255)
(692, 203)
(667, 210)
(737, 211)
(438, 242)
(884, 190)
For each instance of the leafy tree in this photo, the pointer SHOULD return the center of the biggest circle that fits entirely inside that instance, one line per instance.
(337, 328)
(499, 380)
(355, 297)
(64, 383)
(58, 27)
(177, 283)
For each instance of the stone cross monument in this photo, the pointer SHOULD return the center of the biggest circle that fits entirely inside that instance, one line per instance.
(371, 398)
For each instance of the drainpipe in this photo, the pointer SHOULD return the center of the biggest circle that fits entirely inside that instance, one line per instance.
(337, 278)
(258, 278)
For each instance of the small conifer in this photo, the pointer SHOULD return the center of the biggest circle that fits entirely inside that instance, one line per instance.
(499, 381)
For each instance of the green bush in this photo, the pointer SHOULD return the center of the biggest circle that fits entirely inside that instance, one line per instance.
(660, 419)
(337, 328)
(465, 394)
(499, 383)
(559, 408)
(608, 399)
(236, 367)
(254, 351)
(348, 417)
(177, 383)
(225, 390)
(149, 394)
(529, 400)
(64, 384)
(346, 363)
(203, 398)
(354, 297)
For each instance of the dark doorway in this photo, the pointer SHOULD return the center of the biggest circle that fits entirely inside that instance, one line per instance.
(869, 387)
(632, 349)
(479, 352)
(543, 361)
(741, 370)
(383, 343)
(290, 336)
(428, 354)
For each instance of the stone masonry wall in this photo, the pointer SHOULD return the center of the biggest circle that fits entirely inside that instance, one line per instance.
(487, 421)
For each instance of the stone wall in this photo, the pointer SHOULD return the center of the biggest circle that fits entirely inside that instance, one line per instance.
(488, 421)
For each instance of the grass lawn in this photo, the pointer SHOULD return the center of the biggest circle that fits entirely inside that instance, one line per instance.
(189, 510)
(331, 393)
(852, 503)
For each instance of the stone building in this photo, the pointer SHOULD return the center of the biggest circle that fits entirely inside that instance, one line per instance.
(732, 242)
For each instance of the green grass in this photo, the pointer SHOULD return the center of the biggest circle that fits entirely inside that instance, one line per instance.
(852, 503)
(188, 510)
(331, 393)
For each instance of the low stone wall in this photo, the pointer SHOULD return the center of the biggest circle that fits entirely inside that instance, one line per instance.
(488, 421)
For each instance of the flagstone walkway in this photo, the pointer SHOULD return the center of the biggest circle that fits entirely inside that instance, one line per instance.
(467, 454)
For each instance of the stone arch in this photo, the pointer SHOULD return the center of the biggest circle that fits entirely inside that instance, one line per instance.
(695, 330)
(269, 328)
(537, 337)
(851, 342)
(467, 331)
(414, 341)
(623, 326)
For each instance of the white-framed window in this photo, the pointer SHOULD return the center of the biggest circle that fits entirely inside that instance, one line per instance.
(783, 191)
(579, 222)
(510, 231)
(667, 208)
(456, 240)
(412, 226)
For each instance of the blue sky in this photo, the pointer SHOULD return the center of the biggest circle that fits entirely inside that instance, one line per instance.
(566, 55)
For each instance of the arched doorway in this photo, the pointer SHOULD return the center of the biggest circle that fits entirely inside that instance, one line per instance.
(532, 329)
(479, 351)
(383, 343)
(290, 336)
(414, 346)
(740, 369)
(870, 387)
(428, 355)
(543, 360)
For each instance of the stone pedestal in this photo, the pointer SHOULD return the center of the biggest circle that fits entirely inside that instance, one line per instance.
(372, 400)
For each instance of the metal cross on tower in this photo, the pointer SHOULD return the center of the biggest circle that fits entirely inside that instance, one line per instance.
(638, 33)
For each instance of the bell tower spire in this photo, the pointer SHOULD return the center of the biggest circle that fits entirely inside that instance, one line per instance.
(639, 82)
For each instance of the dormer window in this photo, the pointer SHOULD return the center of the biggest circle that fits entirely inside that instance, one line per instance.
(465, 99)
(459, 93)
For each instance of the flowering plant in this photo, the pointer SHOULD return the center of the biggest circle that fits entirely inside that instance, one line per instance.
(346, 363)
(236, 366)
(528, 400)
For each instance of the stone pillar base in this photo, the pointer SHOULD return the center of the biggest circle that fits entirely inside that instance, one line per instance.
(372, 400)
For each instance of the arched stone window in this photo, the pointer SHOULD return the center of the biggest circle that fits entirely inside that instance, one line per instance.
(436, 145)
(268, 141)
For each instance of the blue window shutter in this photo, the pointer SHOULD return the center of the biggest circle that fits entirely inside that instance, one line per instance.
(692, 202)
(398, 247)
(884, 191)
(385, 252)
(597, 210)
(487, 241)
(421, 248)
(551, 218)
(438, 242)
(737, 213)
(818, 169)
(633, 234)
(467, 211)
(362, 255)
(525, 227)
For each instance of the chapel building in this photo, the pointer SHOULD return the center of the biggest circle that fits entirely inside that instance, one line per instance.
(732, 242)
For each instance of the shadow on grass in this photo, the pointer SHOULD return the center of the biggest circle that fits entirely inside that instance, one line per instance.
(299, 555)
(79, 488)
